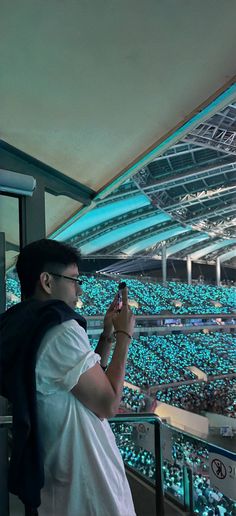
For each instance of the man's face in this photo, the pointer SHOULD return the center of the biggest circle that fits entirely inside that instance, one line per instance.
(66, 289)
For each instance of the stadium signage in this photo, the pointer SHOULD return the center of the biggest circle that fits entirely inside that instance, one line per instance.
(222, 466)
(143, 436)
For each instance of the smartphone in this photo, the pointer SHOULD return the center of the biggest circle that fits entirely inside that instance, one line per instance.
(120, 288)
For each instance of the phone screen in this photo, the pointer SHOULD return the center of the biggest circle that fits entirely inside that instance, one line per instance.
(121, 286)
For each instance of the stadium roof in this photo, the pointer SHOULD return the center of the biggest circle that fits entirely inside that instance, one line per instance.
(135, 101)
(185, 197)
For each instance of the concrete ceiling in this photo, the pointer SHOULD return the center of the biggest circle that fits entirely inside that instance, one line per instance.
(87, 87)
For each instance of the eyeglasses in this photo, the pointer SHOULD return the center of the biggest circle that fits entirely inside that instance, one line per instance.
(76, 280)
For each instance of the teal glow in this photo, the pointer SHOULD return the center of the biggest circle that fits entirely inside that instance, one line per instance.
(218, 103)
(154, 239)
(117, 234)
(228, 256)
(211, 248)
(102, 214)
(78, 215)
(187, 243)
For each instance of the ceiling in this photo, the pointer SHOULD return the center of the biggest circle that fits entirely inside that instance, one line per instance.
(100, 90)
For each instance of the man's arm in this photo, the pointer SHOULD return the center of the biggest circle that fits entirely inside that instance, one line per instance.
(104, 348)
(106, 338)
(101, 392)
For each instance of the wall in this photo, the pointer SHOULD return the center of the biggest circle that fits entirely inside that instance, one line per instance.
(182, 419)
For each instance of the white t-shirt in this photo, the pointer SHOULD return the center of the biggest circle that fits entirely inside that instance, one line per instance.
(84, 471)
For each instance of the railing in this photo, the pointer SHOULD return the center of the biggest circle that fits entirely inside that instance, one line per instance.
(148, 428)
(177, 464)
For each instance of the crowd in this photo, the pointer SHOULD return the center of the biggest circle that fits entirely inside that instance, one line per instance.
(151, 364)
(13, 292)
(149, 297)
(216, 396)
(163, 359)
(158, 360)
(133, 400)
(155, 298)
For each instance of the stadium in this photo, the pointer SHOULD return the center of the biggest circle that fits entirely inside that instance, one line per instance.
(147, 196)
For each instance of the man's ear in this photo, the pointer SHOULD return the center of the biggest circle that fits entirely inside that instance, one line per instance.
(45, 281)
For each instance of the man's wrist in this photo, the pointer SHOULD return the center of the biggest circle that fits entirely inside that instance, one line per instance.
(107, 336)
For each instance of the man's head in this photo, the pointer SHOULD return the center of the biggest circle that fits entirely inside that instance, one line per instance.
(41, 267)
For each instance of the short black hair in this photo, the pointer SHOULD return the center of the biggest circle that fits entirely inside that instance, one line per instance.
(36, 257)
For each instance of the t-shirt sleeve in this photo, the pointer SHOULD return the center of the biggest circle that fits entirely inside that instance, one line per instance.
(64, 354)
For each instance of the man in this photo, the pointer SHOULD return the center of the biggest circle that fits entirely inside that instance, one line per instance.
(83, 471)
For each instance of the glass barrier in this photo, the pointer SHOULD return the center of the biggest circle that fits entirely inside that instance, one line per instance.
(9, 225)
(191, 468)
(138, 439)
(193, 474)
(210, 469)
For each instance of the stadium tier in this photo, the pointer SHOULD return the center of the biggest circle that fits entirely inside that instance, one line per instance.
(153, 298)
(147, 297)
(163, 359)
(217, 396)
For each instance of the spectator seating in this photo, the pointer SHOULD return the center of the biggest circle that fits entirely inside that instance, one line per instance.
(155, 298)
(151, 297)
(163, 359)
(216, 396)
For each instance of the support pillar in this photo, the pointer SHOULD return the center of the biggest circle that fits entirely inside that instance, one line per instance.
(164, 264)
(189, 269)
(218, 271)
(32, 216)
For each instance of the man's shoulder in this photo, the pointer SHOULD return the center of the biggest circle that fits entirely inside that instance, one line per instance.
(72, 325)
(68, 328)
(62, 337)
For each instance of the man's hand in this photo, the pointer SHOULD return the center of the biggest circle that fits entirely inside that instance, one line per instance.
(108, 319)
(105, 341)
(124, 320)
